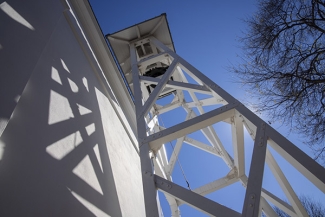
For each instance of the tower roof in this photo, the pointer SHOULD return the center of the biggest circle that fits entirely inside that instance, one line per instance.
(120, 40)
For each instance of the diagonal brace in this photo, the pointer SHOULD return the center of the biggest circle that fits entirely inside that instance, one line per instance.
(155, 93)
(177, 85)
(195, 200)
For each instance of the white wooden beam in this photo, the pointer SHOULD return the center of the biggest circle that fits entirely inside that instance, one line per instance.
(267, 209)
(213, 138)
(251, 206)
(159, 170)
(143, 63)
(253, 203)
(217, 184)
(209, 132)
(298, 159)
(214, 186)
(202, 146)
(168, 107)
(195, 200)
(272, 198)
(200, 77)
(163, 48)
(174, 156)
(177, 85)
(155, 93)
(163, 157)
(206, 102)
(156, 140)
(278, 202)
(237, 131)
(285, 185)
(149, 189)
(173, 203)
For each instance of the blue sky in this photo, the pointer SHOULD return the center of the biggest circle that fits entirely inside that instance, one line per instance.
(205, 33)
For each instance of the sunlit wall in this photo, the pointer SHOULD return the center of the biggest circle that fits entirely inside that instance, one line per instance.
(64, 150)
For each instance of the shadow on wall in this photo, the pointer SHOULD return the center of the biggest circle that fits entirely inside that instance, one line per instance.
(55, 160)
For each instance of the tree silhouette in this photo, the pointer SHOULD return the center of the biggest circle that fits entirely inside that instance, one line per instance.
(313, 208)
(284, 66)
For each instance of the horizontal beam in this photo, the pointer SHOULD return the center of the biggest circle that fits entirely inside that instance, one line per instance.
(167, 108)
(207, 102)
(177, 85)
(202, 146)
(217, 184)
(156, 140)
(143, 63)
(195, 200)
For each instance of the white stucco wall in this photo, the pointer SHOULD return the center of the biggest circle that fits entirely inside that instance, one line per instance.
(67, 149)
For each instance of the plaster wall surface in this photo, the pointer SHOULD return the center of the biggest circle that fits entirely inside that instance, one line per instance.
(65, 149)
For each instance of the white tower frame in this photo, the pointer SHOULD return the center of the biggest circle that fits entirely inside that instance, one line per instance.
(157, 169)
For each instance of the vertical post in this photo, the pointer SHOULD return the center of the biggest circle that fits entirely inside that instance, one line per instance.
(237, 131)
(254, 185)
(149, 187)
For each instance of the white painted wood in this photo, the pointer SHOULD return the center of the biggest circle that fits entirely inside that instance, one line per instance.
(217, 184)
(251, 206)
(177, 85)
(156, 140)
(195, 200)
(278, 202)
(301, 161)
(173, 203)
(168, 107)
(162, 47)
(267, 208)
(207, 102)
(234, 113)
(174, 155)
(202, 146)
(143, 63)
(237, 131)
(149, 189)
(155, 94)
(284, 184)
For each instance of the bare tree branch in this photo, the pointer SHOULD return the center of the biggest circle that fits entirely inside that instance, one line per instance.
(285, 65)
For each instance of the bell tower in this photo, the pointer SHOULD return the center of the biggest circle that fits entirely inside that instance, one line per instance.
(154, 72)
